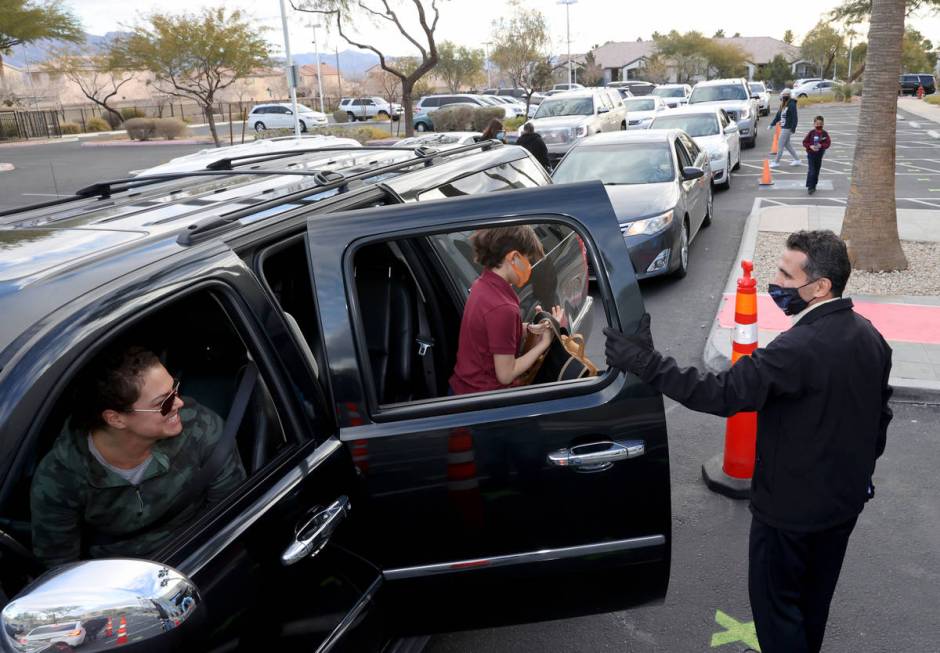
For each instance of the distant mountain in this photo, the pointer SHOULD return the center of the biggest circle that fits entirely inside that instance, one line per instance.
(352, 63)
(37, 52)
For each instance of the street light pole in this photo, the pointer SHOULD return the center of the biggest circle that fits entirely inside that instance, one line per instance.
(291, 81)
(319, 70)
(568, 4)
(486, 55)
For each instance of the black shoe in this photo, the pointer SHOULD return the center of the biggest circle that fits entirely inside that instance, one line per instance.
(810, 190)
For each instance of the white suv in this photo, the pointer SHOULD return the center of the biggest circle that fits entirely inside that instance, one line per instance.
(734, 96)
(281, 116)
(363, 108)
(564, 118)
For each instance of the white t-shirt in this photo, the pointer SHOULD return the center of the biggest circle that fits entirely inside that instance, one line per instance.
(134, 475)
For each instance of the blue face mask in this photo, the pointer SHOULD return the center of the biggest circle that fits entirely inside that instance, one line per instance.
(500, 136)
(788, 299)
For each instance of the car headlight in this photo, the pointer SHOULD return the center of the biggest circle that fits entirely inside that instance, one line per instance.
(746, 113)
(649, 226)
(716, 156)
(579, 132)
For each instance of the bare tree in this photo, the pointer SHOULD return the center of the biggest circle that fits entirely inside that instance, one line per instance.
(520, 47)
(417, 29)
(870, 228)
(95, 77)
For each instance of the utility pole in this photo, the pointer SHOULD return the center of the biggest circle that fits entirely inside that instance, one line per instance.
(848, 75)
(486, 54)
(339, 76)
(568, 4)
(291, 73)
(319, 69)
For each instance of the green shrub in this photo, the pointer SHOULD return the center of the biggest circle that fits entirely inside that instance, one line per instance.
(97, 125)
(132, 112)
(512, 124)
(361, 134)
(169, 128)
(482, 117)
(70, 128)
(141, 129)
(340, 116)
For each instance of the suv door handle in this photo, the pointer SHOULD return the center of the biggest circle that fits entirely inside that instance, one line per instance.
(597, 456)
(313, 535)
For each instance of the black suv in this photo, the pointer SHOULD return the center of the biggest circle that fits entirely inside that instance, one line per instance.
(315, 298)
(910, 82)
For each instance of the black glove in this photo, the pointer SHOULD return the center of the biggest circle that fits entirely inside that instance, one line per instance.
(630, 353)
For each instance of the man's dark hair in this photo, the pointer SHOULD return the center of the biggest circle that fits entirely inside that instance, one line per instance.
(112, 381)
(490, 246)
(826, 257)
(528, 128)
(820, 119)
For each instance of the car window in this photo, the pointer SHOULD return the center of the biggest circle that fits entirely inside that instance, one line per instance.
(197, 347)
(691, 147)
(632, 163)
(573, 106)
(605, 101)
(523, 173)
(669, 92)
(757, 87)
(640, 104)
(684, 160)
(693, 125)
(718, 93)
(463, 335)
(430, 102)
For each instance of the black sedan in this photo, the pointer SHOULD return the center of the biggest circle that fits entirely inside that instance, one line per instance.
(658, 183)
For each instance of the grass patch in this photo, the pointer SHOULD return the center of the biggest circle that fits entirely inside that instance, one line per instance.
(815, 99)
(932, 99)
(361, 134)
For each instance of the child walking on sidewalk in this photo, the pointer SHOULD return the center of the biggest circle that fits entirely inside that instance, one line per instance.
(816, 143)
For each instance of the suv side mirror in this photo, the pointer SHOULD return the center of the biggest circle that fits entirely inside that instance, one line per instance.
(691, 173)
(755, 96)
(732, 128)
(136, 600)
(602, 110)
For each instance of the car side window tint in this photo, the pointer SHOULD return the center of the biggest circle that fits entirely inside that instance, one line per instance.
(523, 173)
(204, 403)
(433, 322)
(690, 147)
(683, 156)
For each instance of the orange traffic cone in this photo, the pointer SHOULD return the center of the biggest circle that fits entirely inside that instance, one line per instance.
(109, 628)
(773, 148)
(731, 475)
(463, 485)
(765, 178)
(122, 631)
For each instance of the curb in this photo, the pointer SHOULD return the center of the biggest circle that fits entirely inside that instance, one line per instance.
(143, 143)
(912, 391)
(31, 143)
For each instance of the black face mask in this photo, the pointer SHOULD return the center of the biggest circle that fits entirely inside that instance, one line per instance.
(788, 299)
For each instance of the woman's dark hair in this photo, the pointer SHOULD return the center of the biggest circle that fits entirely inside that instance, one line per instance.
(826, 257)
(112, 381)
(492, 129)
(490, 246)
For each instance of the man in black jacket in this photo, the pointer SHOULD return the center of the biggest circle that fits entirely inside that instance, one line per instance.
(821, 394)
(531, 141)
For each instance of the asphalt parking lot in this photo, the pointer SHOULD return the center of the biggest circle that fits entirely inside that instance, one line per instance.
(890, 585)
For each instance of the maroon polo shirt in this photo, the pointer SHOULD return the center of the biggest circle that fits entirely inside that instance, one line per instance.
(491, 325)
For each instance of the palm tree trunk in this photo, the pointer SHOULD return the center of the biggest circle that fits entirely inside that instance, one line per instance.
(870, 228)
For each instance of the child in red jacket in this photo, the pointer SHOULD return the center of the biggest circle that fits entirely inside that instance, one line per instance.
(816, 143)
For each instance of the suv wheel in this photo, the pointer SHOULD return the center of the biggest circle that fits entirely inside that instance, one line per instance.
(383, 115)
(421, 127)
(259, 126)
(801, 95)
(350, 116)
(303, 127)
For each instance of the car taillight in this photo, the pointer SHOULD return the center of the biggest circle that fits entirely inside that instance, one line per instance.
(75, 633)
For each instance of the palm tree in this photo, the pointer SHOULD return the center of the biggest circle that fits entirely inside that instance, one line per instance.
(870, 228)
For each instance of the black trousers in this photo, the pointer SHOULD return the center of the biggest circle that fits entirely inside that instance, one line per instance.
(814, 160)
(791, 580)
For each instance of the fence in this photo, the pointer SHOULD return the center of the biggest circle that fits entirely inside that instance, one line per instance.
(19, 125)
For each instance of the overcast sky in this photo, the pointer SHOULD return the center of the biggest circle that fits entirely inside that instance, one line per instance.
(468, 22)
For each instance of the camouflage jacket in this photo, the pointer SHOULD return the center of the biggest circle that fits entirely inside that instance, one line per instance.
(74, 496)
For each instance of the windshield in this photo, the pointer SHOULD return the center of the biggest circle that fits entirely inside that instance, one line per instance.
(489, 100)
(572, 106)
(634, 163)
(758, 87)
(718, 93)
(675, 91)
(699, 125)
(642, 104)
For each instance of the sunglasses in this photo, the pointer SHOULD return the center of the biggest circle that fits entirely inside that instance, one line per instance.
(166, 405)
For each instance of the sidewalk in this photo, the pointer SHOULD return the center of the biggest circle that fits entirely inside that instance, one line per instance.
(910, 324)
(920, 108)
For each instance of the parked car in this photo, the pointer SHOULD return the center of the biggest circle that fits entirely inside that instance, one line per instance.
(363, 108)
(911, 81)
(423, 120)
(713, 131)
(516, 108)
(519, 93)
(659, 184)
(635, 86)
(566, 87)
(762, 93)
(642, 110)
(440, 139)
(313, 301)
(674, 95)
(71, 633)
(817, 87)
(431, 103)
(564, 118)
(734, 96)
(804, 80)
(281, 116)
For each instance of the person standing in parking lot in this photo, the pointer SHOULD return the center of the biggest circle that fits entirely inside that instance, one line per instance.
(494, 130)
(531, 141)
(816, 143)
(820, 390)
(788, 118)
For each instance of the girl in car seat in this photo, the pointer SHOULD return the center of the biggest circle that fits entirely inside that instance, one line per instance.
(491, 328)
